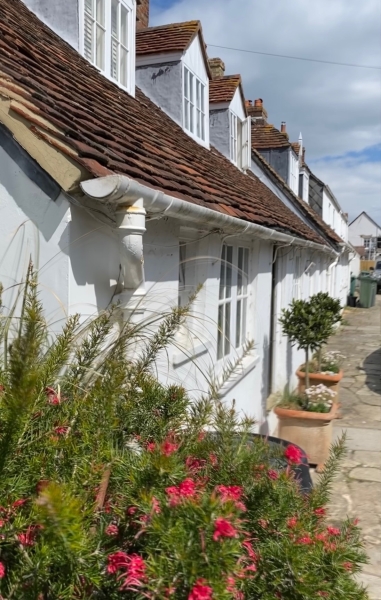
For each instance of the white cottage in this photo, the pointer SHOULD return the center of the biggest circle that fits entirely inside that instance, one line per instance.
(140, 195)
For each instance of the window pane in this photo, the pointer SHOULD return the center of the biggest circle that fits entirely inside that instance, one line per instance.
(191, 83)
(198, 94)
(100, 49)
(114, 59)
(186, 83)
(186, 113)
(220, 334)
(229, 260)
(124, 26)
(89, 7)
(198, 124)
(240, 273)
(227, 329)
(100, 14)
(114, 19)
(202, 126)
(123, 66)
(238, 324)
(88, 42)
(245, 269)
(223, 273)
(202, 98)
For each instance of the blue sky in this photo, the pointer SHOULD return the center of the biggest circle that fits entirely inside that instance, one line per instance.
(336, 108)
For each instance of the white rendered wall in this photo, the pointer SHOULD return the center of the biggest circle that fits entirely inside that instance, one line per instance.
(362, 227)
(32, 225)
(237, 107)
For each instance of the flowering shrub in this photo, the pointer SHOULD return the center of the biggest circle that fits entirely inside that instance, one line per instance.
(319, 398)
(331, 362)
(132, 499)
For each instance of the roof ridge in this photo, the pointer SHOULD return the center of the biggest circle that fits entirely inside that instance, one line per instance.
(169, 25)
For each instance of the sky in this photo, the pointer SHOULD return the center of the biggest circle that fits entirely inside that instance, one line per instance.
(336, 108)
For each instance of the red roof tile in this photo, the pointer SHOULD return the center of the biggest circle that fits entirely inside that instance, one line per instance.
(175, 37)
(296, 147)
(223, 89)
(82, 113)
(264, 135)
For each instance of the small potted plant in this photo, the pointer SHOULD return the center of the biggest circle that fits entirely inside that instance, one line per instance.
(306, 420)
(310, 323)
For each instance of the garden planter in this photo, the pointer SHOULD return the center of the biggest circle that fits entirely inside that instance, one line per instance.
(311, 431)
(330, 381)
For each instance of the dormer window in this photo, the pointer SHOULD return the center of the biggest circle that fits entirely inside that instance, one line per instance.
(108, 32)
(240, 136)
(194, 105)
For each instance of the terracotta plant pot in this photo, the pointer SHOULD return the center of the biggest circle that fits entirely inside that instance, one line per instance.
(309, 430)
(330, 381)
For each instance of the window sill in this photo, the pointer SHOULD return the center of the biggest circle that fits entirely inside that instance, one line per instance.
(190, 352)
(248, 364)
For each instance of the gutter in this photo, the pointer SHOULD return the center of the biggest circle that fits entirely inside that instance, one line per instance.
(133, 200)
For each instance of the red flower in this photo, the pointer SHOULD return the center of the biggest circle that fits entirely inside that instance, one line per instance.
(229, 492)
(213, 460)
(151, 446)
(200, 591)
(333, 531)
(348, 566)
(135, 575)
(293, 454)
(61, 430)
(112, 530)
(168, 448)
(320, 537)
(305, 540)
(186, 489)
(156, 505)
(117, 560)
(27, 538)
(250, 550)
(2, 522)
(222, 528)
(53, 397)
(2, 570)
(320, 512)
(273, 474)
(194, 464)
(132, 510)
(292, 522)
(20, 502)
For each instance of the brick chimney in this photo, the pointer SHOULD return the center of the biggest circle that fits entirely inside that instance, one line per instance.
(256, 111)
(283, 127)
(217, 67)
(142, 14)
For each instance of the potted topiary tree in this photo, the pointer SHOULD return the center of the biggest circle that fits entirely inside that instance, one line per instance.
(306, 417)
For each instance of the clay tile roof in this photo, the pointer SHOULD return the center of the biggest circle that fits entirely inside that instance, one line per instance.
(296, 147)
(74, 108)
(305, 208)
(223, 89)
(265, 135)
(175, 37)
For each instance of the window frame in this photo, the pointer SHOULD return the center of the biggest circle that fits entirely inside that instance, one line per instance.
(240, 141)
(194, 105)
(233, 291)
(127, 83)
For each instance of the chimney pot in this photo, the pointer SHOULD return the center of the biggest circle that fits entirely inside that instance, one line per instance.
(258, 102)
(256, 110)
(142, 14)
(217, 67)
(283, 127)
(248, 103)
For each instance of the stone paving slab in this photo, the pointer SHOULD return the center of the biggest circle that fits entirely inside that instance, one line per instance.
(357, 489)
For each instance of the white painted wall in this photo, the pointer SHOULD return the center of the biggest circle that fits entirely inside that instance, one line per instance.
(362, 227)
(293, 172)
(333, 217)
(33, 226)
(237, 107)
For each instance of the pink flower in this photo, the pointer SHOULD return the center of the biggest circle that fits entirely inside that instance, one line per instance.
(333, 531)
(305, 540)
(168, 447)
(112, 530)
(348, 566)
(223, 528)
(186, 489)
(151, 446)
(273, 474)
(330, 546)
(229, 492)
(116, 561)
(250, 550)
(53, 397)
(320, 512)
(135, 573)
(27, 538)
(320, 537)
(156, 505)
(293, 454)
(200, 591)
(263, 523)
(292, 522)
(213, 460)
(61, 430)
(2, 570)
(132, 510)
(2, 522)
(194, 464)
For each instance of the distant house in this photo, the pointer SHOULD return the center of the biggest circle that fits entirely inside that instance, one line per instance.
(363, 234)
(139, 193)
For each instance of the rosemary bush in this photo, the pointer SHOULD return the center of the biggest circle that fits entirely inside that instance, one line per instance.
(111, 488)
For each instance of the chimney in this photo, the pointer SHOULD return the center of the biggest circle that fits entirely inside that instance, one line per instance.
(256, 111)
(142, 14)
(283, 127)
(217, 67)
(303, 155)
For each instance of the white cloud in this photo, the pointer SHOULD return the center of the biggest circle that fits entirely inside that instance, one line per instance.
(336, 108)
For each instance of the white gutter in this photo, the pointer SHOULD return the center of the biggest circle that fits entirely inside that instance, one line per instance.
(132, 200)
(122, 192)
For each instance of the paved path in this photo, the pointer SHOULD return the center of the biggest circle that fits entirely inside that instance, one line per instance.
(357, 489)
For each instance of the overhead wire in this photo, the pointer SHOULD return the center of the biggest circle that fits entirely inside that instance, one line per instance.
(316, 60)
